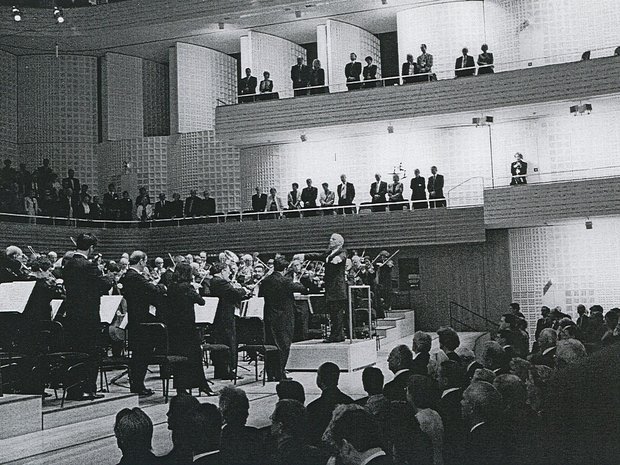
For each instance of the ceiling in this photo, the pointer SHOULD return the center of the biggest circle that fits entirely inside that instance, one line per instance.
(130, 27)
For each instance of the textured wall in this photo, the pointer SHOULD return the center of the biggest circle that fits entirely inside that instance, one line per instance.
(199, 77)
(155, 98)
(342, 39)
(265, 52)
(122, 104)
(8, 106)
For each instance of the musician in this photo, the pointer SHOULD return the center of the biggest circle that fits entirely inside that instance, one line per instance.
(335, 259)
(518, 170)
(435, 189)
(384, 278)
(12, 265)
(85, 284)
(224, 330)
(278, 289)
(246, 270)
(308, 197)
(140, 294)
(298, 273)
(395, 193)
(418, 191)
(378, 191)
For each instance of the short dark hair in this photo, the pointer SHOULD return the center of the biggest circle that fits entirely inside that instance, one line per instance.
(181, 406)
(372, 380)
(136, 257)
(40, 264)
(85, 241)
(280, 264)
(133, 430)
(234, 405)
(182, 273)
(448, 338)
(423, 391)
(515, 306)
(328, 374)
(453, 373)
(510, 318)
(218, 267)
(291, 389)
(295, 184)
(355, 424)
(400, 358)
(291, 414)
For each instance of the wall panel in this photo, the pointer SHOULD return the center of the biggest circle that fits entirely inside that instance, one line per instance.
(8, 103)
(155, 98)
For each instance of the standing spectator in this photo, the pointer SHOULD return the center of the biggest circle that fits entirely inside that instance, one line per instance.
(266, 85)
(96, 211)
(207, 205)
(259, 200)
(110, 203)
(346, 194)
(43, 175)
(300, 75)
(395, 193)
(31, 205)
(177, 206)
(409, 68)
(84, 209)
(464, 65)
(65, 204)
(352, 72)
(485, 61)
(294, 201)
(134, 432)
(192, 204)
(309, 195)
(317, 78)
(370, 73)
(144, 211)
(418, 191)
(378, 191)
(274, 203)
(8, 175)
(125, 207)
(435, 189)
(327, 199)
(142, 195)
(425, 62)
(162, 208)
(24, 179)
(518, 170)
(71, 182)
(247, 85)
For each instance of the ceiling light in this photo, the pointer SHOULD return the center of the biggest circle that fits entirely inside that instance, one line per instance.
(17, 15)
(581, 109)
(58, 15)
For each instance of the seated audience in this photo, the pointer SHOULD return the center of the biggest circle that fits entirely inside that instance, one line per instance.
(421, 347)
(569, 352)
(495, 358)
(451, 382)
(240, 444)
(448, 342)
(291, 389)
(134, 432)
(422, 395)
(372, 380)
(181, 408)
(204, 429)
(320, 410)
(468, 362)
(485, 61)
(399, 362)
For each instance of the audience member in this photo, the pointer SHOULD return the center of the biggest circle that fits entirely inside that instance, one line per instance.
(494, 358)
(544, 321)
(422, 395)
(611, 322)
(134, 432)
(435, 189)
(425, 62)
(395, 193)
(274, 203)
(448, 342)
(369, 73)
(418, 191)
(399, 362)
(266, 85)
(569, 352)
(247, 85)
(378, 191)
(352, 72)
(203, 434)
(372, 380)
(300, 75)
(240, 444)
(259, 200)
(291, 389)
(518, 170)
(317, 78)
(464, 65)
(469, 363)
(309, 196)
(327, 199)
(320, 410)
(142, 195)
(451, 382)
(409, 68)
(346, 194)
(421, 348)
(182, 406)
(485, 61)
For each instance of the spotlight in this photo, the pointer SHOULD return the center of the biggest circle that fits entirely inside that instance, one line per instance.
(303, 138)
(297, 13)
(588, 224)
(581, 109)
(476, 121)
(488, 119)
(574, 109)
(17, 15)
(390, 129)
(58, 15)
(220, 25)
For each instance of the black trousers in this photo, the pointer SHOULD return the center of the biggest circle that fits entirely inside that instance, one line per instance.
(225, 362)
(279, 333)
(336, 309)
(437, 202)
(142, 348)
(83, 337)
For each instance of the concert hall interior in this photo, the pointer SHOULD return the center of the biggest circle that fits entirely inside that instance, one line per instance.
(210, 203)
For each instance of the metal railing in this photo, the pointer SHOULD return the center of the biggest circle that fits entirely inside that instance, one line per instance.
(459, 313)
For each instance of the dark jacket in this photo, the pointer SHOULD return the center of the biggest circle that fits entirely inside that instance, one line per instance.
(181, 318)
(470, 67)
(320, 412)
(300, 76)
(207, 207)
(192, 205)
(309, 196)
(352, 71)
(279, 300)
(485, 445)
(335, 281)
(163, 210)
(435, 184)
(419, 366)
(241, 445)
(247, 86)
(229, 297)
(396, 390)
(418, 188)
(350, 194)
(259, 202)
(381, 191)
(176, 208)
(140, 294)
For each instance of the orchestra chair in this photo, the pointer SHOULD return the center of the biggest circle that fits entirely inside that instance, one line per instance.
(158, 332)
(208, 346)
(251, 337)
(9, 374)
(109, 362)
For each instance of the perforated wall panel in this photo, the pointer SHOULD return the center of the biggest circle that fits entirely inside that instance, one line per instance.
(8, 100)
(155, 98)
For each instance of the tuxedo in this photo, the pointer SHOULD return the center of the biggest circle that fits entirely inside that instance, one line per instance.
(518, 170)
(396, 390)
(349, 196)
(162, 210)
(470, 67)
(352, 72)
(259, 202)
(449, 408)
(546, 358)
(435, 183)
(176, 209)
(300, 75)
(485, 445)
(418, 192)
(377, 194)
(110, 205)
(419, 366)
(247, 85)
(207, 207)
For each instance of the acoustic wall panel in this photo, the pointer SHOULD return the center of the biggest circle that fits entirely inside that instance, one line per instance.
(8, 99)
(155, 98)
(122, 104)
(340, 40)
(200, 80)
(265, 52)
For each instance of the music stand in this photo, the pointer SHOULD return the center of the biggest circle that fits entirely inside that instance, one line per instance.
(351, 311)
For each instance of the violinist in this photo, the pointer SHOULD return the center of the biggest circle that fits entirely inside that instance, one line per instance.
(298, 274)
(384, 288)
(335, 284)
(12, 267)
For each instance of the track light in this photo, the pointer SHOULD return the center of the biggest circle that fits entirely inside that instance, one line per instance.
(303, 138)
(297, 13)
(483, 121)
(17, 15)
(220, 25)
(390, 129)
(581, 109)
(58, 15)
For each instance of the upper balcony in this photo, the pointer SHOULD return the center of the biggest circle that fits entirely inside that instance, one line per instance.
(281, 121)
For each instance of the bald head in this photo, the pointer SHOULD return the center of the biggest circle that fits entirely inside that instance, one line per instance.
(569, 352)
(481, 402)
(12, 251)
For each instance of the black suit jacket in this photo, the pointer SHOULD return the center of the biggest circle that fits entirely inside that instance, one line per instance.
(140, 294)
(471, 369)
(320, 412)
(335, 281)
(259, 202)
(300, 77)
(469, 65)
(449, 408)
(192, 206)
(74, 184)
(317, 77)
(241, 445)
(419, 366)
(418, 188)
(396, 390)
(229, 297)
(352, 71)
(381, 192)
(85, 284)
(520, 175)
(279, 300)
(547, 359)
(435, 184)
(485, 445)
(176, 208)
(406, 68)
(350, 196)
(207, 207)
(163, 210)
(247, 85)
(180, 318)
(308, 196)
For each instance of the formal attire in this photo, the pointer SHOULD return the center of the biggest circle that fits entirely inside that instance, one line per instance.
(320, 412)
(274, 204)
(259, 202)
(464, 66)
(335, 288)
(224, 330)
(279, 320)
(370, 74)
(192, 206)
(407, 72)
(449, 407)
(247, 85)
(378, 191)
(241, 445)
(183, 336)
(484, 445)
(293, 201)
(207, 207)
(125, 209)
(395, 194)
(74, 184)
(352, 72)
(485, 63)
(435, 191)
(346, 195)
(425, 63)
(432, 425)
(518, 170)
(308, 197)
(162, 210)
(176, 208)
(140, 295)
(418, 192)
(470, 370)
(84, 284)
(110, 205)
(396, 390)
(419, 366)
(300, 75)
(317, 80)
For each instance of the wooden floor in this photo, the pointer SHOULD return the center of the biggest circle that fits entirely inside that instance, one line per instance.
(93, 442)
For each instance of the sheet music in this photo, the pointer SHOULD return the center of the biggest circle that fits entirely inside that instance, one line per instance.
(55, 303)
(124, 321)
(14, 296)
(109, 305)
(206, 313)
(255, 308)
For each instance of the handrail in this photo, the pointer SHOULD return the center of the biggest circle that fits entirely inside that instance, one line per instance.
(454, 305)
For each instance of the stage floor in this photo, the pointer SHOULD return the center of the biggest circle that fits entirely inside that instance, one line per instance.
(93, 441)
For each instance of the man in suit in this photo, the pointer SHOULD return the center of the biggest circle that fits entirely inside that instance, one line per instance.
(378, 191)
(207, 206)
(192, 204)
(259, 200)
(494, 358)
(425, 62)
(300, 75)
(582, 319)
(247, 86)
(278, 289)
(400, 361)
(240, 444)
(309, 195)
(162, 208)
(544, 322)
(72, 183)
(451, 380)
(421, 347)
(357, 437)
(320, 411)
(110, 203)
(435, 189)
(518, 170)
(352, 72)
(418, 191)
(176, 206)
(84, 284)
(465, 65)
(224, 330)
(335, 259)
(140, 295)
(346, 194)
(448, 342)
(468, 362)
